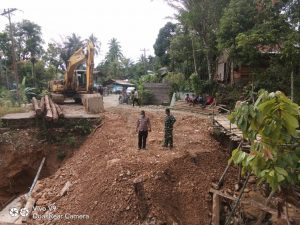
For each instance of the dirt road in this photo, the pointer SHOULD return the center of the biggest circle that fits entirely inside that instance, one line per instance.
(114, 183)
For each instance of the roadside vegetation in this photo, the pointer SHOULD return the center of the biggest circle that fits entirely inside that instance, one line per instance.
(260, 35)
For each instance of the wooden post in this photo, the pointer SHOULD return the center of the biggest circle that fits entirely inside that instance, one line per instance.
(216, 210)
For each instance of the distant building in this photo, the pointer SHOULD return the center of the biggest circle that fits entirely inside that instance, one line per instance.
(117, 86)
(228, 73)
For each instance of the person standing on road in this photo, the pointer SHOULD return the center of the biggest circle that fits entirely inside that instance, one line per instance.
(169, 122)
(135, 98)
(142, 127)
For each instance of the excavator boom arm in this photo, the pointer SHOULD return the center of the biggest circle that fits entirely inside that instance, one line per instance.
(90, 67)
(76, 59)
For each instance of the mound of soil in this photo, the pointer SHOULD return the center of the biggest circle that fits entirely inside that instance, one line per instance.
(114, 183)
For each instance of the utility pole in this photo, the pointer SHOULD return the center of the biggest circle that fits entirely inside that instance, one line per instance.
(7, 13)
(144, 50)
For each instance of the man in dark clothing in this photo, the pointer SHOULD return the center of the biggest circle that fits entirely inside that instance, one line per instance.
(142, 127)
(169, 122)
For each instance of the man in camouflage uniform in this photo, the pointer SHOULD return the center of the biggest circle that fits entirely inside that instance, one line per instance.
(169, 121)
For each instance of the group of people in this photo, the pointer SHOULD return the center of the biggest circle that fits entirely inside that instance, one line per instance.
(144, 126)
(133, 97)
(208, 100)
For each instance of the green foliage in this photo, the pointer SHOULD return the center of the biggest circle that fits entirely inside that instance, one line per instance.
(150, 78)
(145, 96)
(271, 126)
(29, 39)
(177, 82)
(228, 95)
(70, 45)
(9, 109)
(162, 43)
(196, 83)
(71, 141)
(82, 127)
(203, 86)
(237, 18)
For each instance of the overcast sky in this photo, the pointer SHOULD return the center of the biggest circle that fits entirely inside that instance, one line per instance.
(135, 23)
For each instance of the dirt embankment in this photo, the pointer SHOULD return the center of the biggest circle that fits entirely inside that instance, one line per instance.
(21, 152)
(114, 183)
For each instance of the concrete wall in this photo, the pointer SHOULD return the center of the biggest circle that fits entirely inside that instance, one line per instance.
(161, 92)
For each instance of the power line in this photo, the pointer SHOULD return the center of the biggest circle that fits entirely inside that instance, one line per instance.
(8, 11)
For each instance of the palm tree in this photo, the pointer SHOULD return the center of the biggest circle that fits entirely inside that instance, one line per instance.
(113, 59)
(114, 52)
(97, 44)
(69, 46)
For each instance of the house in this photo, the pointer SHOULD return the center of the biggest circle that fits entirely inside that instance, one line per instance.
(228, 73)
(117, 86)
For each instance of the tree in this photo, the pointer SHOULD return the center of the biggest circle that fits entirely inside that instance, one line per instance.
(239, 16)
(127, 65)
(162, 43)
(181, 53)
(69, 46)
(29, 38)
(113, 59)
(114, 52)
(271, 127)
(52, 57)
(97, 44)
(202, 18)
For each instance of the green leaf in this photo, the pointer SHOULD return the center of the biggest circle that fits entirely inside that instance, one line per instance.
(291, 122)
(272, 173)
(281, 171)
(280, 178)
(241, 157)
(263, 173)
(266, 105)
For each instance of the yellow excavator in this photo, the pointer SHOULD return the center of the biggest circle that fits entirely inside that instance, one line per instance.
(78, 85)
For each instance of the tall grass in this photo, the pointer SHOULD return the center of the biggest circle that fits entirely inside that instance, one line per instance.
(12, 109)
(8, 103)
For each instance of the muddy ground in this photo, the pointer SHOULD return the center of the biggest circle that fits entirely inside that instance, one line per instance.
(114, 183)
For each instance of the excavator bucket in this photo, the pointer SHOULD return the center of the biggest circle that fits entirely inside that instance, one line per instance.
(93, 103)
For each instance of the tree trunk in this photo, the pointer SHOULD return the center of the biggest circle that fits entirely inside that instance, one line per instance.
(36, 106)
(49, 115)
(207, 55)
(194, 56)
(208, 66)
